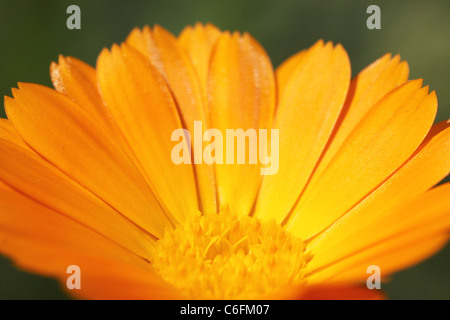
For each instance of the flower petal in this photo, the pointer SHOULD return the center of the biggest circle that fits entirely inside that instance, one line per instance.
(393, 240)
(144, 109)
(329, 292)
(9, 133)
(287, 70)
(119, 281)
(391, 256)
(100, 278)
(371, 84)
(167, 56)
(379, 144)
(25, 221)
(35, 178)
(31, 232)
(61, 132)
(78, 81)
(429, 164)
(309, 105)
(241, 95)
(199, 42)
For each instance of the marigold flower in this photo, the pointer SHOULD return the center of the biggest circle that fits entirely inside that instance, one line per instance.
(86, 176)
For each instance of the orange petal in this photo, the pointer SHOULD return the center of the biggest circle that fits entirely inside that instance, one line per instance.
(309, 105)
(384, 139)
(9, 133)
(30, 225)
(100, 277)
(429, 165)
(164, 52)
(241, 93)
(119, 281)
(330, 292)
(144, 109)
(31, 232)
(393, 239)
(199, 41)
(78, 81)
(61, 132)
(340, 292)
(390, 257)
(37, 179)
(172, 62)
(371, 84)
(287, 70)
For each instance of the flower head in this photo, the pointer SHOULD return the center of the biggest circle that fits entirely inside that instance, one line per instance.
(87, 175)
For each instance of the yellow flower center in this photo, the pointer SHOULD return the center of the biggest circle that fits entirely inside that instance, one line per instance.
(220, 256)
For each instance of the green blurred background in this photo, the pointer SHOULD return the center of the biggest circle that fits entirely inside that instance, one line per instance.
(33, 33)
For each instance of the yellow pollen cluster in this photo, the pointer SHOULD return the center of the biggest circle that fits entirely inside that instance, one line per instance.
(220, 256)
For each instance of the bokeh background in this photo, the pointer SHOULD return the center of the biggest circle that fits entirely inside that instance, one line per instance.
(33, 33)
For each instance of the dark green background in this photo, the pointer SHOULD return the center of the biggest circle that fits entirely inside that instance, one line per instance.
(33, 33)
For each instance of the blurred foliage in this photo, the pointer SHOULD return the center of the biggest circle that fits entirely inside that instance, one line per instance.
(33, 33)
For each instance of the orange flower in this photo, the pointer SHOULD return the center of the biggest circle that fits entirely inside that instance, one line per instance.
(87, 179)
